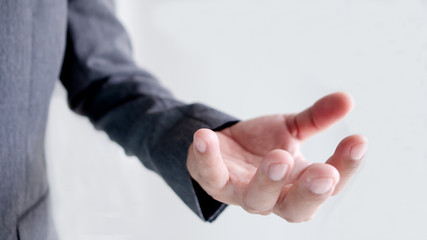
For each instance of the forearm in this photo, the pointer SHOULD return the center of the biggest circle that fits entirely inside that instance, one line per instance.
(104, 84)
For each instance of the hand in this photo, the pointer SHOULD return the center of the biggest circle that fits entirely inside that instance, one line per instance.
(257, 164)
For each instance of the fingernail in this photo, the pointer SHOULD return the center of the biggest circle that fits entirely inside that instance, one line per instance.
(358, 151)
(200, 144)
(277, 172)
(320, 185)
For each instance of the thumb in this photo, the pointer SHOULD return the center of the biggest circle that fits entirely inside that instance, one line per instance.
(323, 114)
(205, 162)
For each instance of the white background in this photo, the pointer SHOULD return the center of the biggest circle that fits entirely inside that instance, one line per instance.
(250, 58)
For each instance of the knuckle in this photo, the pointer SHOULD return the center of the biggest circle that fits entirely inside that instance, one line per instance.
(249, 208)
(213, 192)
(269, 189)
(212, 185)
(353, 166)
(203, 173)
(255, 210)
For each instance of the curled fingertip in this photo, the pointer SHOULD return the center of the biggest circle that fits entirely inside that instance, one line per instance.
(276, 172)
(200, 144)
(357, 152)
(203, 138)
(321, 186)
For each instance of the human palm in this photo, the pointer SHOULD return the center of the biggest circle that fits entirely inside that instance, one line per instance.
(257, 164)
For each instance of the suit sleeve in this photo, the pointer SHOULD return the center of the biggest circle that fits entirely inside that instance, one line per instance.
(128, 103)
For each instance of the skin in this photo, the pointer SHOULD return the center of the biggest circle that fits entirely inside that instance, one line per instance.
(257, 164)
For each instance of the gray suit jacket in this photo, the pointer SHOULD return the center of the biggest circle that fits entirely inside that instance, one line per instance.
(82, 43)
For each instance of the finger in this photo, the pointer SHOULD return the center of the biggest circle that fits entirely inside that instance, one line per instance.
(205, 163)
(347, 158)
(265, 187)
(325, 112)
(303, 199)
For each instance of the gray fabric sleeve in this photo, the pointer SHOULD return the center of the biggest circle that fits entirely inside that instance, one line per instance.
(104, 84)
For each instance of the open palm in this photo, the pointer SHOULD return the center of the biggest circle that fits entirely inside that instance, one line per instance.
(257, 164)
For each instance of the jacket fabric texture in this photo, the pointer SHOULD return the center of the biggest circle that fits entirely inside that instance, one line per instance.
(82, 43)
